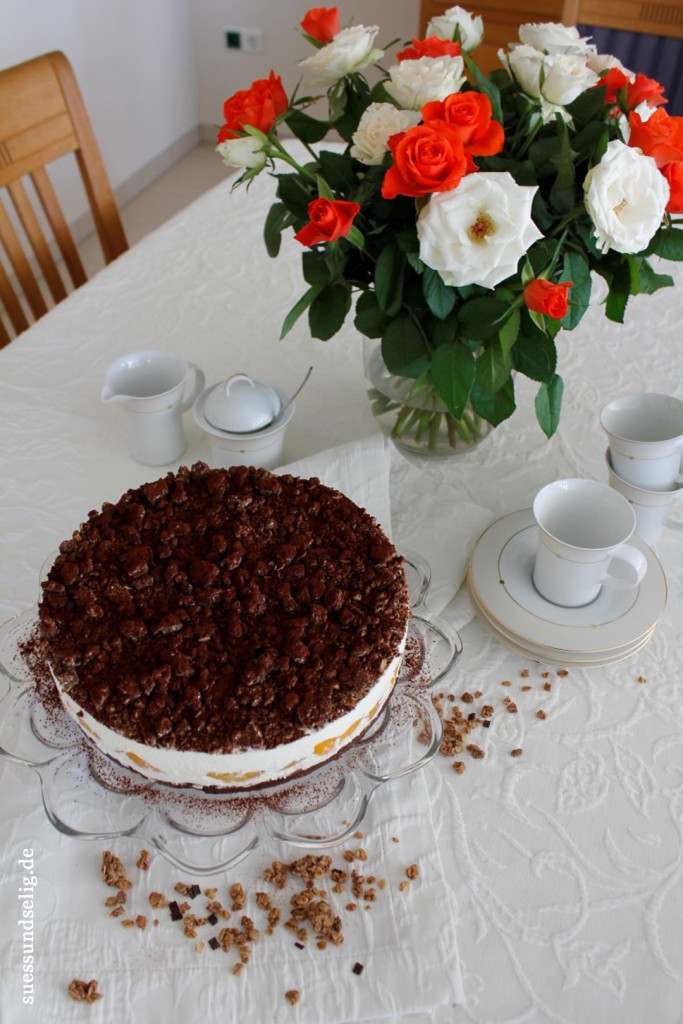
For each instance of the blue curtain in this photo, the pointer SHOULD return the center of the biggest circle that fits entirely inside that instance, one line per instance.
(657, 57)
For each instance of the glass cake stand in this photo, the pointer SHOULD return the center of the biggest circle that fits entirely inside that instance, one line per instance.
(88, 796)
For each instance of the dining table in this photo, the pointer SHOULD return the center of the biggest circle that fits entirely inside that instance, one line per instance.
(535, 875)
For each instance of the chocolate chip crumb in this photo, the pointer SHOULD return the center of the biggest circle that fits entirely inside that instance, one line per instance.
(299, 945)
(175, 911)
(84, 991)
(213, 942)
(357, 968)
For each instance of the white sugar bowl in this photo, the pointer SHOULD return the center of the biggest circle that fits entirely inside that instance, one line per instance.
(245, 421)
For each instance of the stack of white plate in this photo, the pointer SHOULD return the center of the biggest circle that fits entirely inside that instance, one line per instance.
(613, 626)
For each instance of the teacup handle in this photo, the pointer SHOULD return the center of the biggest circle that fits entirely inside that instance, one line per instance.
(199, 382)
(629, 558)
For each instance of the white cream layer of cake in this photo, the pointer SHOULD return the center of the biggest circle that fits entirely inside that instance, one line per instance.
(240, 769)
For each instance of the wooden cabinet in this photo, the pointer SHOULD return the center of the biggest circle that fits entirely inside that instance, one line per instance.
(501, 22)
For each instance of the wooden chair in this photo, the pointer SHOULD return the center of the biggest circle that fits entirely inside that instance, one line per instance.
(42, 118)
(657, 18)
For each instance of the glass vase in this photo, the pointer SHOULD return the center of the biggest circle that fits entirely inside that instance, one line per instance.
(414, 416)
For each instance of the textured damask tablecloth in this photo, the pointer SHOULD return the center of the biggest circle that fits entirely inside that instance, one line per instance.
(561, 868)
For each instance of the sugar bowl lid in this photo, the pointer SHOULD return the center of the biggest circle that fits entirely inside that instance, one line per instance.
(242, 404)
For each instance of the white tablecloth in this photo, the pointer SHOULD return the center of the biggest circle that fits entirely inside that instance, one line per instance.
(564, 865)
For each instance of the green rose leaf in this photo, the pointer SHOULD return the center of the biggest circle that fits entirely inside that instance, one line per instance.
(534, 353)
(453, 369)
(439, 297)
(296, 310)
(668, 243)
(315, 267)
(494, 407)
(548, 404)
(619, 291)
(293, 193)
(389, 273)
(482, 318)
(276, 220)
(306, 128)
(650, 281)
(575, 268)
(369, 319)
(404, 348)
(328, 311)
(493, 367)
(337, 169)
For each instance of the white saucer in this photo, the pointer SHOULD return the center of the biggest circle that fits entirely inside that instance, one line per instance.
(566, 659)
(500, 582)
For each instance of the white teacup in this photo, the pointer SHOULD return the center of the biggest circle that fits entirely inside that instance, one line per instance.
(645, 434)
(583, 527)
(149, 387)
(652, 508)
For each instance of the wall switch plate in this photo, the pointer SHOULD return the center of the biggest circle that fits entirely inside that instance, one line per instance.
(248, 40)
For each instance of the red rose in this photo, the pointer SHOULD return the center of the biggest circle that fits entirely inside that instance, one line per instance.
(428, 158)
(429, 47)
(544, 297)
(673, 173)
(321, 23)
(469, 114)
(660, 137)
(644, 90)
(329, 219)
(258, 107)
(615, 80)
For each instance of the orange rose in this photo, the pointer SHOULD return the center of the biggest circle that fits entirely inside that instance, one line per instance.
(615, 80)
(469, 114)
(322, 24)
(258, 107)
(428, 158)
(660, 137)
(644, 90)
(544, 297)
(429, 47)
(329, 219)
(673, 173)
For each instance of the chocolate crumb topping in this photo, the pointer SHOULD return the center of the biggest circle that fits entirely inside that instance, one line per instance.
(218, 610)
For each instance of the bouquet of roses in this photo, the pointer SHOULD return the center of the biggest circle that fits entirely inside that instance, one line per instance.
(463, 215)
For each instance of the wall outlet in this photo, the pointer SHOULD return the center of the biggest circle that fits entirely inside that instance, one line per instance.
(248, 40)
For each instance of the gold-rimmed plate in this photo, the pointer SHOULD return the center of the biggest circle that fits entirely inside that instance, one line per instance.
(500, 581)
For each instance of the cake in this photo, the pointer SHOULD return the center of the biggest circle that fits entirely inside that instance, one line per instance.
(225, 628)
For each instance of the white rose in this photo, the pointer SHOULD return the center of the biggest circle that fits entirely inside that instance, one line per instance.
(605, 61)
(470, 28)
(554, 79)
(625, 195)
(477, 232)
(351, 50)
(565, 77)
(551, 37)
(379, 122)
(243, 152)
(412, 83)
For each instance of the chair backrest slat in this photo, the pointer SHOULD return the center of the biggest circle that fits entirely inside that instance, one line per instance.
(12, 306)
(20, 265)
(60, 228)
(42, 118)
(34, 233)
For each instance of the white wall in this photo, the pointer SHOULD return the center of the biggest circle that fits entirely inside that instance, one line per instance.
(153, 71)
(135, 66)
